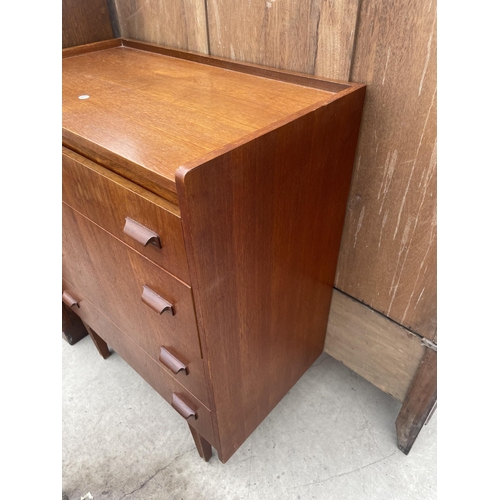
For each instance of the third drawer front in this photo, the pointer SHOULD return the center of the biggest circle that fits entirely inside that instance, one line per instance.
(134, 293)
(142, 220)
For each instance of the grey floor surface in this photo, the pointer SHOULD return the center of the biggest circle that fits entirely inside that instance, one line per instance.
(331, 437)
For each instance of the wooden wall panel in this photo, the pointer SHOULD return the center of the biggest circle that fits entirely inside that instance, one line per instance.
(388, 256)
(297, 36)
(174, 23)
(381, 351)
(85, 22)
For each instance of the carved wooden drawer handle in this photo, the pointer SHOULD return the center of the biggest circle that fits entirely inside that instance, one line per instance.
(171, 362)
(182, 407)
(69, 300)
(140, 233)
(157, 303)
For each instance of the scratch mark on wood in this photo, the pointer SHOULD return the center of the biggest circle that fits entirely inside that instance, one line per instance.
(414, 163)
(360, 222)
(424, 259)
(386, 64)
(427, 57)
(429, 174)
(389, 168)
(419, 297)
(402, 247)
(384, 220)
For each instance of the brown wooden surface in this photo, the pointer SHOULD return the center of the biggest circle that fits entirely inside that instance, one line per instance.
(202, 445)
(85, 22)
(262, 227)
(170, 120)
(154, 374)
(381, 351)
(100, 344)
(73, 329)
(419, 402)
(107, 199)
(310, 36)
(388, 255)
(304, 79)
(176, 23)
(111, 275)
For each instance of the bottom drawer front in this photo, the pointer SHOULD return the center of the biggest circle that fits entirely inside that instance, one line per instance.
(147, 368)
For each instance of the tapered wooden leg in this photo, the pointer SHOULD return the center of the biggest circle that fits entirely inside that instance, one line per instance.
(73, 329)
(419, 403)
(99, 343)
(202, 445)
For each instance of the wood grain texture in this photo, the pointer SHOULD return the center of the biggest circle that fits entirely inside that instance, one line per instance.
(381, 351)
(111, 275)
(262, 252)
(176, 23)
(388, 255)
(310, 36)
(107, 199)
(419, 402)
(304, 79)
(147, 367)
(85, 22)
(150, 114)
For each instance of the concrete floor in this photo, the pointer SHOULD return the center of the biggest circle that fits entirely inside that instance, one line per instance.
(331, 437)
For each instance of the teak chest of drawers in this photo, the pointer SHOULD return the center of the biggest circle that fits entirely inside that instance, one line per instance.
(203, 205)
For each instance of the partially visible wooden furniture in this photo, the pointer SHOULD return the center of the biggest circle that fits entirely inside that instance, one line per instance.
(419, 403)
(203, 209)
(85, 22)
(73, 330)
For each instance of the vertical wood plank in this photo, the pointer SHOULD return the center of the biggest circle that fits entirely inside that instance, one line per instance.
(336, 32)
(85, 22)
(285, 34)
(388, 255)
(175, 23)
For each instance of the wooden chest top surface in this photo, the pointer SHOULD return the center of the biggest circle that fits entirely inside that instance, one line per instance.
(160, 112)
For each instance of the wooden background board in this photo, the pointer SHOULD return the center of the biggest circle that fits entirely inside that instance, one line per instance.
(298, 36)
(380, 350)
(388, 256)
(175, 23)
(85, 22)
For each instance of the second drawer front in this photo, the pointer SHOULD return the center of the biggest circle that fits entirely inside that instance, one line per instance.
(150, 371)
(112, 276)
(108, 200)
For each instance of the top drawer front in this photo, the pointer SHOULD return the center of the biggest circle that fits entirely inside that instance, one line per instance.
(108, 199)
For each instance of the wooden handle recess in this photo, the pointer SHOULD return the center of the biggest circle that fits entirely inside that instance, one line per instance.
(182, 407)
(157, 303)
(140, 233)
(171, 362)
(69, 300)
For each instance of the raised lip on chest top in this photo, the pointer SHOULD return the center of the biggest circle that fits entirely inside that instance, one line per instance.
(155, 172)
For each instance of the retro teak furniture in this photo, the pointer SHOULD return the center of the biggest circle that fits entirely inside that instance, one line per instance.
(203, 205)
